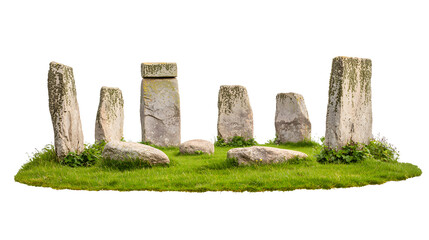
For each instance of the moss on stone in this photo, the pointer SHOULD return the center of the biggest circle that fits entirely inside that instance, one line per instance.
(229, 95)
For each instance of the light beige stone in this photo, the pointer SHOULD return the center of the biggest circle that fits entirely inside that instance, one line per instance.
(235, 116)
(349, 115)
(160, 111)
(197, 146)
(159, 70)
(109, 124)
(64, 110)
(130, 151)
(265, 155)
(292, 122)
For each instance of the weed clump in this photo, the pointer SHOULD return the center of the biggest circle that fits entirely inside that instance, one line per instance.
(378, 149)
(236, 141)
(90, 155)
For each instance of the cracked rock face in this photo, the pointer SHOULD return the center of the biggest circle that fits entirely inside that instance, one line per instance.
(129, 151)
(292, 122)
(109, 124)
(265, 155)
(349, 115)
(160, 111)
(197, 146)
(235, 116)
(64, 110)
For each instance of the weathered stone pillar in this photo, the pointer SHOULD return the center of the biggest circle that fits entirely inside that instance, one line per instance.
(64, 110)
(349, 116)
(292, 122)
(160, 104)
(109, 124)
(235, 116)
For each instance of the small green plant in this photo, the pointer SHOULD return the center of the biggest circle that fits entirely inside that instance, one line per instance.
(236, 141)
(90, 155)
(274, 141)
(350, 153)
(381, 150)
(46, 154)
(378, 149)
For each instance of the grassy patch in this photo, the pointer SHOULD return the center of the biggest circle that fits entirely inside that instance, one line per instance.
(199, 173)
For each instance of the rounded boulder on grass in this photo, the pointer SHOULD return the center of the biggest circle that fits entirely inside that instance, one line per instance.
(197, 146)
(129, 151)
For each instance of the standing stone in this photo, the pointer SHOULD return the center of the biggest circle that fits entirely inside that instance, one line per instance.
(64, 110)
(160, 104)
(292, 122)
(109, 125)
(349, 116)
(235, 116)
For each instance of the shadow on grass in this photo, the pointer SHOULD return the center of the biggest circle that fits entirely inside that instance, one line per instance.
(233, 163)
(129, 165)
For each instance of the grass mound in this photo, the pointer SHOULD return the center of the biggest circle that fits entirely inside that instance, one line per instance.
(199, 173)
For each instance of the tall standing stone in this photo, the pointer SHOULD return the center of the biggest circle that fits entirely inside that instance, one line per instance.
(349, 116)
(160, 104)
(64, 110)
(235, 116)
(109, 124)
(292, 122)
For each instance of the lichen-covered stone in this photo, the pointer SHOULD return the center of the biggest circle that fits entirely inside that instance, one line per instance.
(64, 110)
(292, 122)
(159, 70)
(129, 151)
(109, 124)
(265, 155)
(349, 115)
(197, 146)
(160, 111)
(235, 116)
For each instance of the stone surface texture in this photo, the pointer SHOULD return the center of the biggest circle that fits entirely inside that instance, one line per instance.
(235, 116)
(196, 146)
(109, 124)
(64, 110)
(349, 115)
(160, 111)
(292, 122)
(159, 70)
(130, 151)
(265, 155)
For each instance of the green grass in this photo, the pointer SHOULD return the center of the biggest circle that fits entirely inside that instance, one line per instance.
(201, 173)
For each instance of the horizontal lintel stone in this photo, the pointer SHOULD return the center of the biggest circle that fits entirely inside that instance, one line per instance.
(159, 70)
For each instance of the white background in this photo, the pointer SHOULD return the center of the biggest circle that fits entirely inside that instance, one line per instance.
(267, 46)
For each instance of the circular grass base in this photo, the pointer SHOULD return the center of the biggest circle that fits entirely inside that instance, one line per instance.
(200, 173)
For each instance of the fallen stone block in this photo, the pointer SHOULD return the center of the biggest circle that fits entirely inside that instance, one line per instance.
(265, 155)
(197, 146)
(129, 151)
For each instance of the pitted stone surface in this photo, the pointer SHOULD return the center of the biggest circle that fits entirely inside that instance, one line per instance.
(349, 115)
(235, 116)
(196, 146)
(266, 155)
(292, 122)
(159, 70)
(129, 151)
(160, 111)
(64, 110)
(109, 124)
